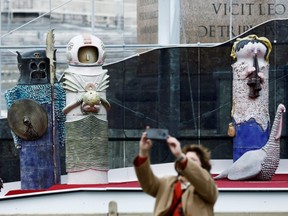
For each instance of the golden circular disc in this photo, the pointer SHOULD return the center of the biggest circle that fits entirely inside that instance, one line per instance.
(27, 119)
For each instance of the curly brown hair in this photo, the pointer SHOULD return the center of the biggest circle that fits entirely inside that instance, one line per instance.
(202, 152)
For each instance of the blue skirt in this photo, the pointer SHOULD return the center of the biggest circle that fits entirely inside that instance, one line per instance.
(249, 136)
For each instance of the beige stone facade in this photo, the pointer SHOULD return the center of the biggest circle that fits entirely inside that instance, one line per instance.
(147, 21)
(210, 21)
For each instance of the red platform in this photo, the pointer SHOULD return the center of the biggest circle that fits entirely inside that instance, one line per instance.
(278, 182)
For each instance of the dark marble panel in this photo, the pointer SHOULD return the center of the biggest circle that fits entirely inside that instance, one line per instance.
(188, 90)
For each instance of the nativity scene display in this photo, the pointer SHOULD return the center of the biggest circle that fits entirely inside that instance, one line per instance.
(48, 115)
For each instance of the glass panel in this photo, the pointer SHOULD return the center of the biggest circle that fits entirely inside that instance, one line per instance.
(186, 88)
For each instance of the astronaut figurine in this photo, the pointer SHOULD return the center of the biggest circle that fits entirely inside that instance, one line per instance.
(250, 108)
(86, 125)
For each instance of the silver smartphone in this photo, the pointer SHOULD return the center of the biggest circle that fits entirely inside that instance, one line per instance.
(157, 134)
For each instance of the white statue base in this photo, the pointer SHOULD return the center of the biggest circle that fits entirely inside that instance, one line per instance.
(88, 177)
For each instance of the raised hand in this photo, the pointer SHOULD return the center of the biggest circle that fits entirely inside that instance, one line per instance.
(175, 146)
(145, 145)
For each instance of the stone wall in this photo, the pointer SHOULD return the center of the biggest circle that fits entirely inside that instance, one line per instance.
(210, 21)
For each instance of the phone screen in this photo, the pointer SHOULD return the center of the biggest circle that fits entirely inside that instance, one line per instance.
(156, 133)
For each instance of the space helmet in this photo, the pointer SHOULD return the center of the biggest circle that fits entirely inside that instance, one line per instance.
(85, 50)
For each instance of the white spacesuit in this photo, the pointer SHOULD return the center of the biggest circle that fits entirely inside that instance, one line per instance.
(86, 126)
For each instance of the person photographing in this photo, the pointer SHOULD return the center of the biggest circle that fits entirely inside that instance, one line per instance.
(192, 193)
